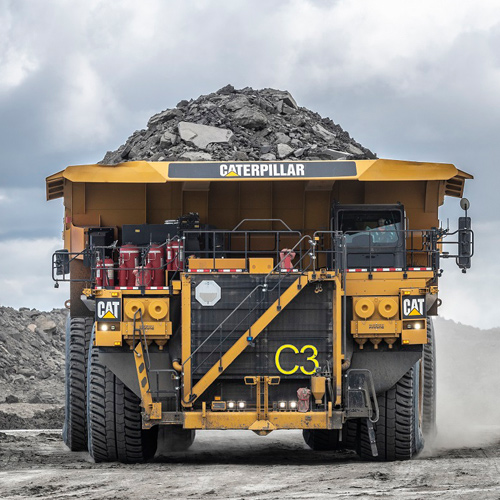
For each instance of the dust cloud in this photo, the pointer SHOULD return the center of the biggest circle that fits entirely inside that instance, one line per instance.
(468, 385)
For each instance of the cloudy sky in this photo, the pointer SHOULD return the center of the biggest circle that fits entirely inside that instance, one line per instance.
(416, 80)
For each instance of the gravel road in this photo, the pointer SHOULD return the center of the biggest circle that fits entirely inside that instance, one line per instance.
(241, 465)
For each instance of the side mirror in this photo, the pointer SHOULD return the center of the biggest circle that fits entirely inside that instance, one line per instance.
(61, 262)
(465, 247)
(464, 204)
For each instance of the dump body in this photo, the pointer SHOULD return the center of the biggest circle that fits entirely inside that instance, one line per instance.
(257, 296)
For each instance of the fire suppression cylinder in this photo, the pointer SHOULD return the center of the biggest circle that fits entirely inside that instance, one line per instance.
(286, 257)
(143, 276)
(128, 262)
(175, 262)
(105, 272)
(155, 261)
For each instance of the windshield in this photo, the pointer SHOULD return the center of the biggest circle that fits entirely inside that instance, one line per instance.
(381, 226)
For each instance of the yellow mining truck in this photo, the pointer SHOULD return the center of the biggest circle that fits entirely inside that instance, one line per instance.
(259, 296)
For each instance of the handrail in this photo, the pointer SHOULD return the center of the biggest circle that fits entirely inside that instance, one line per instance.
(95, 253)
(262, 220)
(429, 246)
(264, 286)
(265, 289)
(246, 252)
(432, 243)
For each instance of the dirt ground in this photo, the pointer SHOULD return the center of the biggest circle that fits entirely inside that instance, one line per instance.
(464, 464)
(241, 465)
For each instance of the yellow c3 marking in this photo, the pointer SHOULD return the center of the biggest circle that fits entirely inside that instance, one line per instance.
(311, 358)
(277, 359)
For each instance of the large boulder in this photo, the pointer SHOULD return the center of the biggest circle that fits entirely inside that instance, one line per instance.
(202, 135)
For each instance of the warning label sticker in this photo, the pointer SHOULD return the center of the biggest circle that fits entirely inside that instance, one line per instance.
(413, 306)
(108, 310)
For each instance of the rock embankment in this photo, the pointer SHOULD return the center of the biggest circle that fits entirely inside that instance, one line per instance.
(239, 125)
(32, 355)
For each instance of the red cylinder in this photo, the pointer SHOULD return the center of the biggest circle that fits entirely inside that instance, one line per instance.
(105, 273)
(155, 260)
(286, 257)
(143, 276)
(175, 262)
(129, 261)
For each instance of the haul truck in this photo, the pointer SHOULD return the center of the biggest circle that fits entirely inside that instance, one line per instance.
(259, 296)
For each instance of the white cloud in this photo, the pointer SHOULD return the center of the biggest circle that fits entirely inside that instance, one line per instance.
(112, 63)
(25, 274)
(84, 110)
(15, 67)
(28, 215)
(16, 63)
(391, 41)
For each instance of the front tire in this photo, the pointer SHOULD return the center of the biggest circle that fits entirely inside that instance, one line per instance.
(115, 420)
(399, 428)
(429, 427)
(78, 333)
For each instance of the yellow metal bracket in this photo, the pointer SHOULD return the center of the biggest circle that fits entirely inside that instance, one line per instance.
(262, 425)
(153, 410)
(337, 339)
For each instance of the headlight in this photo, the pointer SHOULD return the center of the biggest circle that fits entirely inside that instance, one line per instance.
(282, 405)
(292, 405)
(108, 326)
(231, 405)
(241, 405)
(414, 325)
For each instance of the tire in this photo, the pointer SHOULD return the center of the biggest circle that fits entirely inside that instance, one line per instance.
(78, 333)
(115, 420)
(398, 431)
(174, 438)
(350, 435)
(321, 439)
(429, 427)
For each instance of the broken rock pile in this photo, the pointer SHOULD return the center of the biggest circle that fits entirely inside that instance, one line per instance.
(240, 125)
(32, 355)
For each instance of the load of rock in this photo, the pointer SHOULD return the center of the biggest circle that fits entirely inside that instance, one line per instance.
(32, 355)
(239, 125)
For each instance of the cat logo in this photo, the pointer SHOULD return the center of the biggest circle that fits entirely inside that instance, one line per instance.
(413, 306)
(108, 309)
(231, 173)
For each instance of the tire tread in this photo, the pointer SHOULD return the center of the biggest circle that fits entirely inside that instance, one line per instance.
(77, 347)
(395, 430)
(115, 419)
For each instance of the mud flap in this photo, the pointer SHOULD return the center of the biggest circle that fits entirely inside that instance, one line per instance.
(361, 399)
(371, 437)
